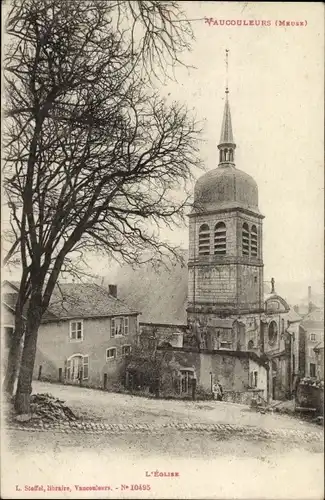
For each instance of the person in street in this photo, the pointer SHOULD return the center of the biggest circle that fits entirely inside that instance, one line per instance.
(217, 391)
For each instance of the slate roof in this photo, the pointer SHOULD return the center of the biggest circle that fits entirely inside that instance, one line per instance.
(9, 300)
(293, 316)
(79, 300)
(317, 315)
(84, 300)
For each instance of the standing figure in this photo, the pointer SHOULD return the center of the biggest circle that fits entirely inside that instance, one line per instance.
(217, 391)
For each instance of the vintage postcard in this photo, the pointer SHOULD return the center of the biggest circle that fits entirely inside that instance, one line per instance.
(162, 305)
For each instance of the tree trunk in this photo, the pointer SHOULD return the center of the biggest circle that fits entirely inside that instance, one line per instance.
(24, 387)
(13, 365)
(13, 358)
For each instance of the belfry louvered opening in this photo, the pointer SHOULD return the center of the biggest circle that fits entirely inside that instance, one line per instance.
(204, 240)
(245, 239)
(254, 241)
(220, 239)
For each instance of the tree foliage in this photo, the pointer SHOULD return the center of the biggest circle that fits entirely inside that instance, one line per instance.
(95, 159)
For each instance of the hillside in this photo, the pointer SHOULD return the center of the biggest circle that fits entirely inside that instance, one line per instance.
(160, 295)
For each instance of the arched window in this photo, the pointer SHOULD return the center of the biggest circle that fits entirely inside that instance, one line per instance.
(77, 367)
(245, 239)
(273, 332)
(250, 345)
(204, 240)
(254, 241)
(220, 239)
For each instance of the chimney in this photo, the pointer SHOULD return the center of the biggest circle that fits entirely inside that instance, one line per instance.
(310, 306)
(112, 290)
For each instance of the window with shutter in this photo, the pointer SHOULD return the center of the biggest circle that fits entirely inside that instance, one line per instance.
(204, 240)
(245, 239)
(254, 241)
(85, 368)
(220, 239)
(113, 327)
(126, 326)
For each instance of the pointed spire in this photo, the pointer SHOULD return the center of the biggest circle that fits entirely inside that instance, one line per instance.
(226, 129)
(226, 145)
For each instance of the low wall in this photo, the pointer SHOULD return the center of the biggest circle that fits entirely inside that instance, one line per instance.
(241, 397)
(309, 396)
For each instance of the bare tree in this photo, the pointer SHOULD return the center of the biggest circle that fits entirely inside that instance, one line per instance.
(95, 159)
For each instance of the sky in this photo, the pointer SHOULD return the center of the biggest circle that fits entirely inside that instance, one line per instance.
(276, 83)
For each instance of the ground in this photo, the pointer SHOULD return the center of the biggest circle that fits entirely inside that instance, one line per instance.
(219, 450)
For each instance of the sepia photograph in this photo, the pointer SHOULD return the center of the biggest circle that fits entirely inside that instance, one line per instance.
(162, 250)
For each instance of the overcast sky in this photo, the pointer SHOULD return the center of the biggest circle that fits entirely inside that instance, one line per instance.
(276, 80)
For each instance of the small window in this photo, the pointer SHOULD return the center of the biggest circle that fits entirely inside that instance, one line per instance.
(313, 337)
(250, 345)
(76, 330)
(254, 241)
(225, 345)
(220, 240)
(111, 353)
(119, 326)
(204, 240)
(245, 239)
(186, 380)
(126, 350)
(273, 332)
(282, 326)
(312, 370)
(253, 379)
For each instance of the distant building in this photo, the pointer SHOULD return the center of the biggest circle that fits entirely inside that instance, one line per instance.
(319, 350)
(313, 328)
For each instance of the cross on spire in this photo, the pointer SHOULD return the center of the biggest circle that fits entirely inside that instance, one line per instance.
(227, 75)
(226, 145)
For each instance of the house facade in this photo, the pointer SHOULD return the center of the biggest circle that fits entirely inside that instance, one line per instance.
(85, 336)
(313, 328)
(319, 351)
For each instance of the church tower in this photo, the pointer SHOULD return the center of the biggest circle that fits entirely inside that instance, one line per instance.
(225, 267)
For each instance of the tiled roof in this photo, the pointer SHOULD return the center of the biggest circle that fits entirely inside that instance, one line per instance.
(315, 315)
(84, 300)
(10, 299)
(293, 316)
(79, 300)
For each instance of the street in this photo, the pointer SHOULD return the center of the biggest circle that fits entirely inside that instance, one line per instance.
(130, 464)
